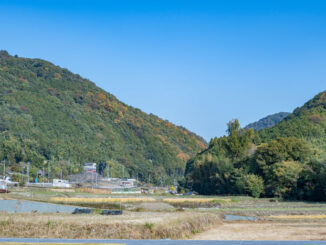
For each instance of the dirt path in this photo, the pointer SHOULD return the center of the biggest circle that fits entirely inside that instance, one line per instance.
(266, 231)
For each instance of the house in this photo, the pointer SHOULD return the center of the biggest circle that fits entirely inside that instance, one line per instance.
(90, 167)
(128, 182)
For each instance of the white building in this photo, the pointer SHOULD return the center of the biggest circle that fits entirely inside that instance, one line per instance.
(7, 180)
(128, 182)
(61, 183)
(3, 186)
(90, 167)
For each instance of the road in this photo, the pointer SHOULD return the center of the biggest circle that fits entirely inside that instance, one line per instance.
(16, 241)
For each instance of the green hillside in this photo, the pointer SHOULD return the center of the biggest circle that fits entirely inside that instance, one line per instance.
(307, 122)
(287, 160)
(267, 122)
(48, 113)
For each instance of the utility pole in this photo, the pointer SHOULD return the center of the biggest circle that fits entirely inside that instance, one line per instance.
(96, 178)
(49, 162)
(69, 166)
(92, 179)
(4, 168)
(28, 172)
(22, 175)
(49, 168)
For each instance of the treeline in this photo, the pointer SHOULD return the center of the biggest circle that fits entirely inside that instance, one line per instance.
(240, 163)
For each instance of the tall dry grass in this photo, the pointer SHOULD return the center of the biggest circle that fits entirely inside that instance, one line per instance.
(75, 227)
(196, 202)
(94, 191)
(101, 200)
(296, 217)
(62, 190)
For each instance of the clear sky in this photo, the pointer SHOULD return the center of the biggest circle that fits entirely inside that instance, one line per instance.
(195, 63)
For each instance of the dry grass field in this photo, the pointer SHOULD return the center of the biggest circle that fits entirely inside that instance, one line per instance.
(166, 216)
(266, 231)
(131, 225)
(102, 200)
(197, 202)
(299, 217)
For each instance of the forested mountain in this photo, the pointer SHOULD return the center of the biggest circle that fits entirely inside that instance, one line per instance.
(50, 114)
(267, 122)
(287, 160)
(307, 122)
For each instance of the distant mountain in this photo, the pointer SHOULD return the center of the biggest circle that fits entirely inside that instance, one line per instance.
(267, 122)
(48, 113)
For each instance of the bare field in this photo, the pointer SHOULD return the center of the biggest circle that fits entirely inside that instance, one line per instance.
(265, 231)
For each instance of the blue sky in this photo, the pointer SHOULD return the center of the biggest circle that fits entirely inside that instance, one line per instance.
(195, 63)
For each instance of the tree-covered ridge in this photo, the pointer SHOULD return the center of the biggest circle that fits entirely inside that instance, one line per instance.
(233, 164)
(267, 122)
(287, 160)
(49, 113)
(307, 122)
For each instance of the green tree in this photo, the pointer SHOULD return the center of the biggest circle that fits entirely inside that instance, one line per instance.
(284, 177)
(238, 141)
(278, 150)
(312, 182)
(250, 184)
